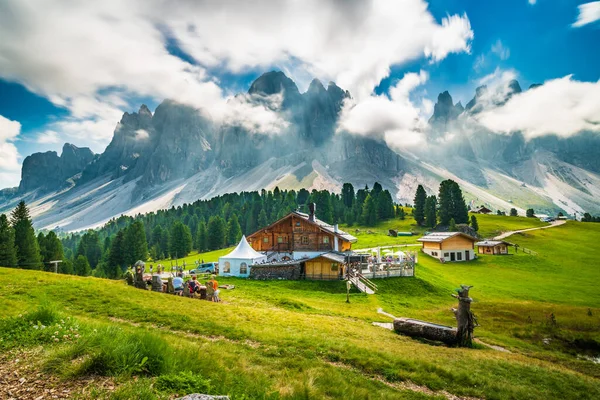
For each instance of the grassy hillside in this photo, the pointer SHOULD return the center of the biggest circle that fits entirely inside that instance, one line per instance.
(300, 340)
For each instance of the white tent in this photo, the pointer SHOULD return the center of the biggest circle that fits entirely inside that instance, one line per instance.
(240, 260)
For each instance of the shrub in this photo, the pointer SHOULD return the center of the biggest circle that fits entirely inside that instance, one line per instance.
(42, 326)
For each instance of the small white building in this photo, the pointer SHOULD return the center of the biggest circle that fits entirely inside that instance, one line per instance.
(449, 246)
(240, 260)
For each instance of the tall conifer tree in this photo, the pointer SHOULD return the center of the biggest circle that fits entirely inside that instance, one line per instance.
(8, 252)
(28, 252)
(419, 210)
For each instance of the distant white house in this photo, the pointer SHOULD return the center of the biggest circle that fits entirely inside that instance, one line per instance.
(240, 260)
(449, 246)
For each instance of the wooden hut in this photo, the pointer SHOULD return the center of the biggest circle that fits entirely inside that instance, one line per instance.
(493, 247)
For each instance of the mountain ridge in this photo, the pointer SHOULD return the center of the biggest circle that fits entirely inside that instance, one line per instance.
(177, 155)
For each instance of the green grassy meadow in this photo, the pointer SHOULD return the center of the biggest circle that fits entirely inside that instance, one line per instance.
(301, 340)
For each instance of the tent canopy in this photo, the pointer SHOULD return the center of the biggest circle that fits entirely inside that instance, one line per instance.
(244, 251)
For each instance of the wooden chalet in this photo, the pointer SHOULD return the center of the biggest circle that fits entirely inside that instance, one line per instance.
(449, 246)
(493, 247)
(481, 210)
(299, 235)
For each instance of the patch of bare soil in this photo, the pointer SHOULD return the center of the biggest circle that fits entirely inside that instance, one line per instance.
(21, 378)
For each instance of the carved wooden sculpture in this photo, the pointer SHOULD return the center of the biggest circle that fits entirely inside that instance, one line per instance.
(465, 319)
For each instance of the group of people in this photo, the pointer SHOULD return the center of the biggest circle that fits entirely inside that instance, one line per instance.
(210, 291)
(175, 285)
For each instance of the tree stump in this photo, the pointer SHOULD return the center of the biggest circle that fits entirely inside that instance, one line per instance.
(170, 287)
(156, 283)
(465, 319)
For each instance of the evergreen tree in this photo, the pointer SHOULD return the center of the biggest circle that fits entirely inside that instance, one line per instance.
(250, 223)
(201, 237)
(82, 266)
(66, 267)
(156, 235)
(234, 231)
(445, 202)
(348, 195)
(216, 233)
(376, 189)
(115, 263)
(460, 212)
(181, 240)
(419, 209)
(452, 225)
(135, 244)
(400, 214)
(52, 250)
(262, 219)
(530, 213)
(369, 213)
(90, 248)
(361, 196)
(349, 217)
(302, 196)
(41, 240)
(474, 223)
(430, 212)
(385, 206)
(28, 252)
(324, 210)
(165, 243)
(8, 252)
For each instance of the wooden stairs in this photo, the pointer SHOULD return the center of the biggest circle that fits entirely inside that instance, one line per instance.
(362, 283)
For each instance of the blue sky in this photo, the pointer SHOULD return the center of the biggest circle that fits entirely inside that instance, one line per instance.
(52, 100)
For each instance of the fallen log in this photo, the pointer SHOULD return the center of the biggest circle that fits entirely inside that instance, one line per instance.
(426, 330)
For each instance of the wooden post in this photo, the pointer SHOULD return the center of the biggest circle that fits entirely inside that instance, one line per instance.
(348, 284)
(465, 319)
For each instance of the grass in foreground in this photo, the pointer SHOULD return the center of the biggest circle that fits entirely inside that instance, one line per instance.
(292, 339)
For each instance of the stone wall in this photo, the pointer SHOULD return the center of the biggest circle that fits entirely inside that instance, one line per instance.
(264, 272)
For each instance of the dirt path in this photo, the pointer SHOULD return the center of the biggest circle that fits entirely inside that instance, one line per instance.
(507, 234)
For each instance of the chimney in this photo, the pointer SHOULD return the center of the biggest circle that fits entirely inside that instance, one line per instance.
(336, 229)
(311, 214)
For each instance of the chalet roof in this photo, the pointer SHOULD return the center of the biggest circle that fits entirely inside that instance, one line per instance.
(482, 209)
(337, 257)
(321, 224)
(492, 243)
(326, 227)
(438, 237)
(244, 251)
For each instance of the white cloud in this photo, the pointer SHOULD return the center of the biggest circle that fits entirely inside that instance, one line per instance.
(588, 13)
(500, 50)
(394, 119)
(48, 136)
(9, 155)
(562, 106)
(532, 2)
(142, 134)
(90, 57)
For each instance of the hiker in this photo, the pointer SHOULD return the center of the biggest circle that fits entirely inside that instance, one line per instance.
(194, 285)
(178, 285)
(215, 286)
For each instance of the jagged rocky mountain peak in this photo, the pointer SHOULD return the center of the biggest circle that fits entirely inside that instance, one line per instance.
(273, 82)
(145, 110)
(445, 99)
(316, 87)
(514, 87)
